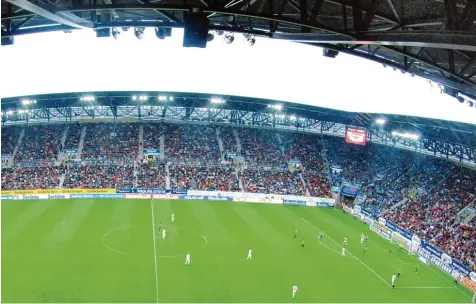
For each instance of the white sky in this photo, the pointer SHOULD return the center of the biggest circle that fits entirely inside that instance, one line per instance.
(80, 62)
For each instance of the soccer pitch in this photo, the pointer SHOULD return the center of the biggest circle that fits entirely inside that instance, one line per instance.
(103, 251)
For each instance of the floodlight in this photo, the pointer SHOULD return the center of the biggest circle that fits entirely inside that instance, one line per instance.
(160, 33)
(250, 39)
(210, 36)
(134, 97)
(139, 32)
(217, 100)
(380, 121)
(27, 102)
(406, 135)
(115, 33)
(87, 98)
(229, 38)
(292, 117)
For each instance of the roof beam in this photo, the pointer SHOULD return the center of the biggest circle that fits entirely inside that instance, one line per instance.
(427, 39)
(48, 13)
(370, 14)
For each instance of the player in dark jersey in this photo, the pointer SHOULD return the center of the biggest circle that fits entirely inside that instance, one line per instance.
(302, 244)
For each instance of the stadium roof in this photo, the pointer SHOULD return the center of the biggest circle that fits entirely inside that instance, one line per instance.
(432, 38)
(452, 132)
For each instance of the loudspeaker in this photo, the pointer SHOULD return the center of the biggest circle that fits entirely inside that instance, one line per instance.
(104, 32)
(195, 30)
(330, 53)
(7, 40)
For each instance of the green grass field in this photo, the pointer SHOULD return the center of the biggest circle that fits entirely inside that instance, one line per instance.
(103, 251)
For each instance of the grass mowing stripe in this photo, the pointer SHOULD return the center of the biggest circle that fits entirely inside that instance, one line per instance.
(155, 251)
(383, 280)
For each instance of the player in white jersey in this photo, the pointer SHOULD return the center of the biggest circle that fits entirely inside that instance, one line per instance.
(163, 234)
(345, 241)
(362, 238)
(295, 290)
(173, 217)
(187, 259)
(394, 277)
(249, 255)
(473, 301)
(343, 251)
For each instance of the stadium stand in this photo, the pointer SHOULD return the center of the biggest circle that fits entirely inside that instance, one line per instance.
(260, 148)
(73, 136)
(40, 143)
(152, 176)
(111, 141)
(203, 178)
(419, 193)
(99, 176)
(31, 178)
(192, 143)
(9, 139)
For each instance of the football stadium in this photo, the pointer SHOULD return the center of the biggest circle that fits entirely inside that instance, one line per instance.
(258, 151)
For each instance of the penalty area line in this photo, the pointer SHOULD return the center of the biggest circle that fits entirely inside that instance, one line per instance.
(380, 277)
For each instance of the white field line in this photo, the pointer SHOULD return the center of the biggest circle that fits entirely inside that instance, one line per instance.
(155, 251)
(383, 280)
(425, 287)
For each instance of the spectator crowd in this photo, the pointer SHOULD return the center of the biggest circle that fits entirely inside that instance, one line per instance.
(419, 193)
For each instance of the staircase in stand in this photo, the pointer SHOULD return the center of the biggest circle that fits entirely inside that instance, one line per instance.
(61, 182)
(81, 142)
(220, 143)
(63, 140)
(240, 182)
(15, 151)
(305, 185)
(162, 147)
(167, 176)
(238, 142)
(140, 155)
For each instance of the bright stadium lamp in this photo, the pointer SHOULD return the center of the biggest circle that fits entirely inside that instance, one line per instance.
(217, 100)
(380, 121)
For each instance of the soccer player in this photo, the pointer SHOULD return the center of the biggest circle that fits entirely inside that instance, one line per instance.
(400, 247)
(416, 268)
(362, 238)
(394, 277)
(163, 234)
(187, 259)
(173, 217)
(345, 241)
(473, 301)
(390, 251)
(295, 290)
(343, 251)
(302, 244)
(398, 274)
(295, 233)
(160, 226)
(320, 236)
(249, 255)
(365, 248)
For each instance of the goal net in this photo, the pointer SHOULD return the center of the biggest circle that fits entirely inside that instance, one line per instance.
(405, 243)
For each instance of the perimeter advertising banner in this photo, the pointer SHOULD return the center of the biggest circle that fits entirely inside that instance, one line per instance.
(56, 191)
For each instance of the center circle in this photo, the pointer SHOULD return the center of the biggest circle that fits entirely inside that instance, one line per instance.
(139, 241)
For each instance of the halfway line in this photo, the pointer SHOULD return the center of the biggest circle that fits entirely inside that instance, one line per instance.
(155, 251)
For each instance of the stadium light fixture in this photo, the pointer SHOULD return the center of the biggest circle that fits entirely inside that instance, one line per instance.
(292, 117)
(140, 97)
(210, 37)
(88, 98)
(139, 32)
(217, 100)
(406, 135)
(250, 39)
(229, 38)
(27, 102)
(380, 121)
(9, 112)
(115, 33)
(276, 107)
(165, 98)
